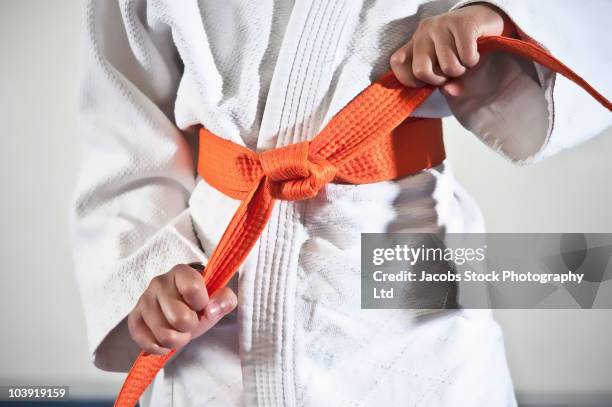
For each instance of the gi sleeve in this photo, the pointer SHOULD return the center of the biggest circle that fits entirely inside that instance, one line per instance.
(523, 110)
(130, 216)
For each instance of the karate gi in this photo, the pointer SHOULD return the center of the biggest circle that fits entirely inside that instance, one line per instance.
(266, 74)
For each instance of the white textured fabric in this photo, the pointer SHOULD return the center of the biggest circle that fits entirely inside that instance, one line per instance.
(266, 74)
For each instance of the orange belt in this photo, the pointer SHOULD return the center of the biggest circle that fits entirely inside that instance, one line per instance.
(370, 140)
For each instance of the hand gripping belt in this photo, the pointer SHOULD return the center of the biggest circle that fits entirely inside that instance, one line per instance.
(371, 139)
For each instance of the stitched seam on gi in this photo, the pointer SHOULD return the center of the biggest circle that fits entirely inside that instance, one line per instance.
(312, 73)
(307, 133)
(305, 65)
(264, 392)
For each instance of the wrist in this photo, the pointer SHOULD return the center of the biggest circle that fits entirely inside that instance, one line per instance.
(508, 27)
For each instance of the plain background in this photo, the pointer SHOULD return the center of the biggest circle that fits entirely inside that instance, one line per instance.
(553, 355)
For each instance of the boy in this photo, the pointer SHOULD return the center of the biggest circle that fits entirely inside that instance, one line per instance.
(272, 73)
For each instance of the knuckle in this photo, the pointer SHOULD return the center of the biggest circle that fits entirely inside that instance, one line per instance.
(195, 291)
(167, 338)
(465, 28)
(176, 268)
(193, 288)
(188, 274)
(141, 340)
(192, 280)
(195, 284)
(471, 31)
(197, 295)
(156, 282)
(134, 334)
(131, 323)
(184, 269)
(426, 23)
(181, 269)
(441, 21)
(396, 60)
(149, 299)
(472, 59)
(452, 69)
(454, 25)
(420, 72)
(138, 336)
(183, 319)
(464, 22)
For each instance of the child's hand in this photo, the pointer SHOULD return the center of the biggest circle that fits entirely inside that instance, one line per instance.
(444, 47)
(175, 309)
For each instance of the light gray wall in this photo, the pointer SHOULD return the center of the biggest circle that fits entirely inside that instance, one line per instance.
(563, 352)
(41, 322)
(43, 335)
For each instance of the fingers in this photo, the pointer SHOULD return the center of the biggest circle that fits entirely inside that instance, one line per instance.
(178, 313)
(156, 320)
(175, 309)
(190, 285)
(142, 335)
(446, 53)
(445, 47)
(428, 58)
(465, 39)
(453, 87)
(401, 65)
(425, 61)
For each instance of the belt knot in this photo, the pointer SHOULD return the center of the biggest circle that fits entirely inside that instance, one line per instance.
(295, 174)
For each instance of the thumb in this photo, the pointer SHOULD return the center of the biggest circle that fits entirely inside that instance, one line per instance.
(220, 304)
(453, 88)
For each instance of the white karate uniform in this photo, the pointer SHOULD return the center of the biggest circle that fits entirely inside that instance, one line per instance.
(269, 73)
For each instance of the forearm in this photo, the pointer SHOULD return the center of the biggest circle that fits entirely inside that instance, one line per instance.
(130, 220)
